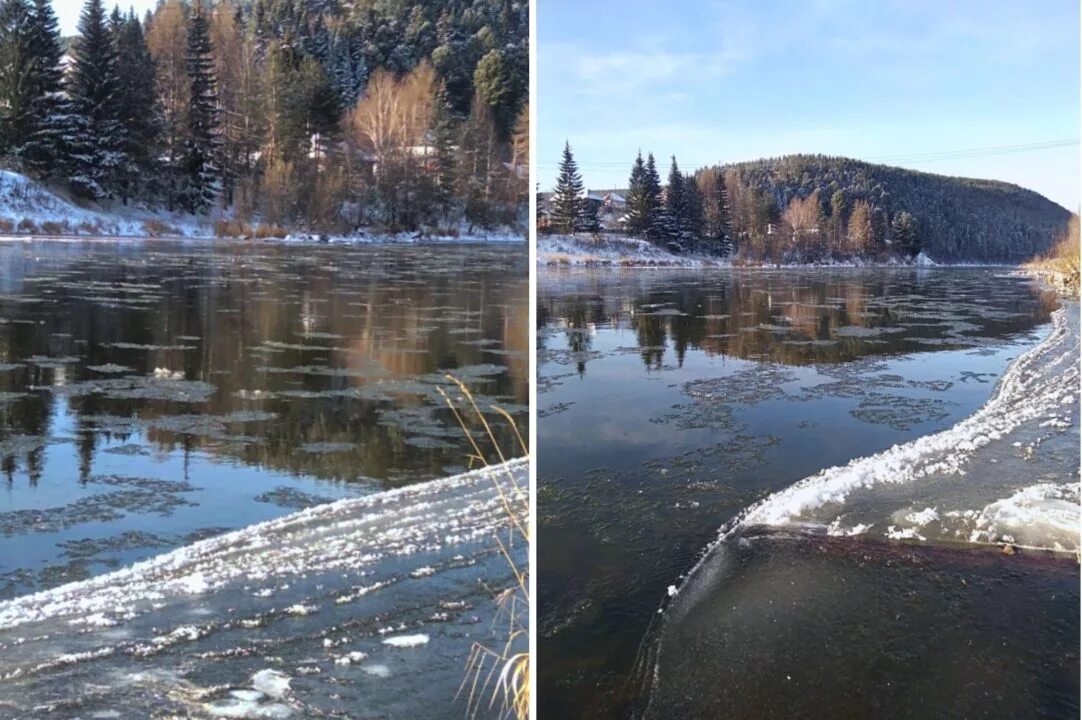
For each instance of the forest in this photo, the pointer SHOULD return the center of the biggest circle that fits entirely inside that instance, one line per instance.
(813, 208)
(313, 114)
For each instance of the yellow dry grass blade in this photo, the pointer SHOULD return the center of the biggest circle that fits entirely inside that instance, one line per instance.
(502, 674)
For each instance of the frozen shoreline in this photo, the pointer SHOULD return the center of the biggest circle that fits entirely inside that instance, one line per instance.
(30, 211)
(621, 252)
(316, 612)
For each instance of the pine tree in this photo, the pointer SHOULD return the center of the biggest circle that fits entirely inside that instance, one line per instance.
(676, 207)
(657, 218)
(347, 70)
(694, 214)
(567, 199)
(17, 73)
(638, 200)
(95, 137)
(41, 150)
(905, 233)
(201, 148)
(722, 223)
(137, 101)
(443, 140)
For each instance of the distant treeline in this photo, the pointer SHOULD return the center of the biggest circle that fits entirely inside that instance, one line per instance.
(300, 112)
(808, 208)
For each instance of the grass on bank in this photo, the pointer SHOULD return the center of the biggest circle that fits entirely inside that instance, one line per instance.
(1064, 256)
(500, 673)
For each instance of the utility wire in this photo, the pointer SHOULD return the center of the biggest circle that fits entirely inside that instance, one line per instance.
(911, 158)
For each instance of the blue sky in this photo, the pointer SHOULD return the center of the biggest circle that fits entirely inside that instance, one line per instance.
(886, 81)
(67, 11)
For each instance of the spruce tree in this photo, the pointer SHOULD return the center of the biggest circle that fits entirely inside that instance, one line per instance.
(17, 70)
(694, 214)
(676, 207)
(443, 139)
(721, 230)
(638, 200)
(95, 137)
(657, 219)
(138, 102)
(201, 147)
(567, 199)
(905, 233)
(41, 151)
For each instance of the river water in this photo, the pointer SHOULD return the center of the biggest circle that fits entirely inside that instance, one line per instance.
(701, 557)
(155, 396)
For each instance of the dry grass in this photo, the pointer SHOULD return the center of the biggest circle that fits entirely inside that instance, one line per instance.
(51, 227)
(502, 674)
(157, 228)
(1064, 256)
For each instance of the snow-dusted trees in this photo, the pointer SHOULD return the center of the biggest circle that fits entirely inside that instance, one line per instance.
(201, 164)
(137, 105)
(96, 139)
(905, 233)
(637, 200)
(717, 218)
(39, 147)
(247, 106)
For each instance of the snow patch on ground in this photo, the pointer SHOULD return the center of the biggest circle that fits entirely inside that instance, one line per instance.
(29, 209)
(614, 251)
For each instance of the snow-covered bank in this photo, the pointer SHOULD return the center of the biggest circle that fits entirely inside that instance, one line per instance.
(612, 251)
(973, 483)
(330, 603)
(29, 210)
(627, 252)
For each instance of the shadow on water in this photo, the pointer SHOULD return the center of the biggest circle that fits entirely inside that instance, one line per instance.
(799, 626)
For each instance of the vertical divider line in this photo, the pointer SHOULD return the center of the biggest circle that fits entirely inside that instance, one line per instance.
(532, 345)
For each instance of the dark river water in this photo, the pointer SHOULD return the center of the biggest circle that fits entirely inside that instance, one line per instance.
(677, 405)
(155, 396)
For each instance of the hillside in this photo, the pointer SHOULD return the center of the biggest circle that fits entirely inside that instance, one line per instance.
(960, 219)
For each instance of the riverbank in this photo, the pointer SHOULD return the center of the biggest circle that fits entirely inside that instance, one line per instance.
(31, 211)
(627, 252)
(339, 606)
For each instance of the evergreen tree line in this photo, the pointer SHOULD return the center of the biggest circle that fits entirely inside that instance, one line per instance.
(294, 112)
(690, 214)
(808, 208)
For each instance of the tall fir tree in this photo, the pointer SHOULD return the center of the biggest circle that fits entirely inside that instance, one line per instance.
(41, 150)
(443, 134)
(694, 214)
(567, 200)
(905, 233)
(657, 225)
(201, 148)
(17, 70)
(95, 138)
(676, 206)
(638, 200)
(722, 227)
(138, 104)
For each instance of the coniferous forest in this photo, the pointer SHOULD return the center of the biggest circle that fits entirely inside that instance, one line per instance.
(312, 114)
(812, 208)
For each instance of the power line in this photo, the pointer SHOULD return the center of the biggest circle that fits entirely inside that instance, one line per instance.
(910, 158)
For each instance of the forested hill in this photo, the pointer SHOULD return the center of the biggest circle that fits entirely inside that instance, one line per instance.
(960, 219)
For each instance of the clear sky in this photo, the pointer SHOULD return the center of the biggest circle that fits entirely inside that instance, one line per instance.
(905, 82)
(67, 11)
